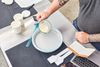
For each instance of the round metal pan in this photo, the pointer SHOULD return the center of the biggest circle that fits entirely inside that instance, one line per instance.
(47, 42)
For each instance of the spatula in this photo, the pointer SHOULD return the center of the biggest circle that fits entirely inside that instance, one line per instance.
(36, 23)
(60, 60)
(53, 58)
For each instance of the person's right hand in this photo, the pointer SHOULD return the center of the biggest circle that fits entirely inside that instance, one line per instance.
(43, 15)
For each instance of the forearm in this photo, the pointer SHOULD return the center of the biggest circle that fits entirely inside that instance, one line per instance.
(56, 4)
(94, 37)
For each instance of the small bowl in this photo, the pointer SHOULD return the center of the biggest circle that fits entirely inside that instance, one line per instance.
(47, 42)
(45, 26)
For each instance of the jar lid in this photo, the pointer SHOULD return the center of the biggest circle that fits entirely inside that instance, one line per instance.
(26, 13)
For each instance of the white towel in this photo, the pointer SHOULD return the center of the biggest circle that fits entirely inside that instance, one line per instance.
(26, 3)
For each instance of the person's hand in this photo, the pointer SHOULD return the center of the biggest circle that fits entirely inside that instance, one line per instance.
(43, 15)
(82, 37)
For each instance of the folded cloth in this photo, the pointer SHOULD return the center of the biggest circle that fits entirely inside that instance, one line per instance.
(26, 3)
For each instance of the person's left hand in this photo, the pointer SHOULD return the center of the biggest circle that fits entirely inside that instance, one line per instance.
(82, 37)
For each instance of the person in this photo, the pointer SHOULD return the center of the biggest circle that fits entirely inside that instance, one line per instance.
(87, 23)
